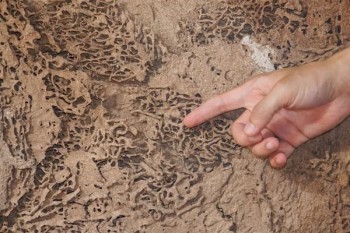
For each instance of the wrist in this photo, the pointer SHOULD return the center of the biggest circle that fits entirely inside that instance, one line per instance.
(339, 68)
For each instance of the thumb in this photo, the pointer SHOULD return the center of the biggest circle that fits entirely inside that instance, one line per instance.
(263, 112)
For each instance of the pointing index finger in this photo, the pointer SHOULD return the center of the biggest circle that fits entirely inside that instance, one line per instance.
(225, 102)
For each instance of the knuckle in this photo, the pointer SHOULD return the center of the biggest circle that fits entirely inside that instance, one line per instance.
(281, 84)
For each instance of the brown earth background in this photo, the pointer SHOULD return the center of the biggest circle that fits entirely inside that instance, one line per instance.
(92, 97)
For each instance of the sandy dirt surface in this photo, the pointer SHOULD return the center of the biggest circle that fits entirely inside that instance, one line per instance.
(92, 97)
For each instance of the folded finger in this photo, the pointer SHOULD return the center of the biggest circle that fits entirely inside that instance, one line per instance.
(279, 158)
(238, 134)
(266, 147)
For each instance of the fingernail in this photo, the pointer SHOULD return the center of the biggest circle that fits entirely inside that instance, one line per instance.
(270, 146)
(249, 129)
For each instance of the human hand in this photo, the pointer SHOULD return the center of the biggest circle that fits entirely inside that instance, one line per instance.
(285, 108)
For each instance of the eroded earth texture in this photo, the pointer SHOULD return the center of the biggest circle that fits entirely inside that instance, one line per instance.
(92, 97)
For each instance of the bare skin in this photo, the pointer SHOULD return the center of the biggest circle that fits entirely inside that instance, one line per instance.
(285, 108)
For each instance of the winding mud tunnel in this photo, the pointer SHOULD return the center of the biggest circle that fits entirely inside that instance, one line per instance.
(92, 97)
